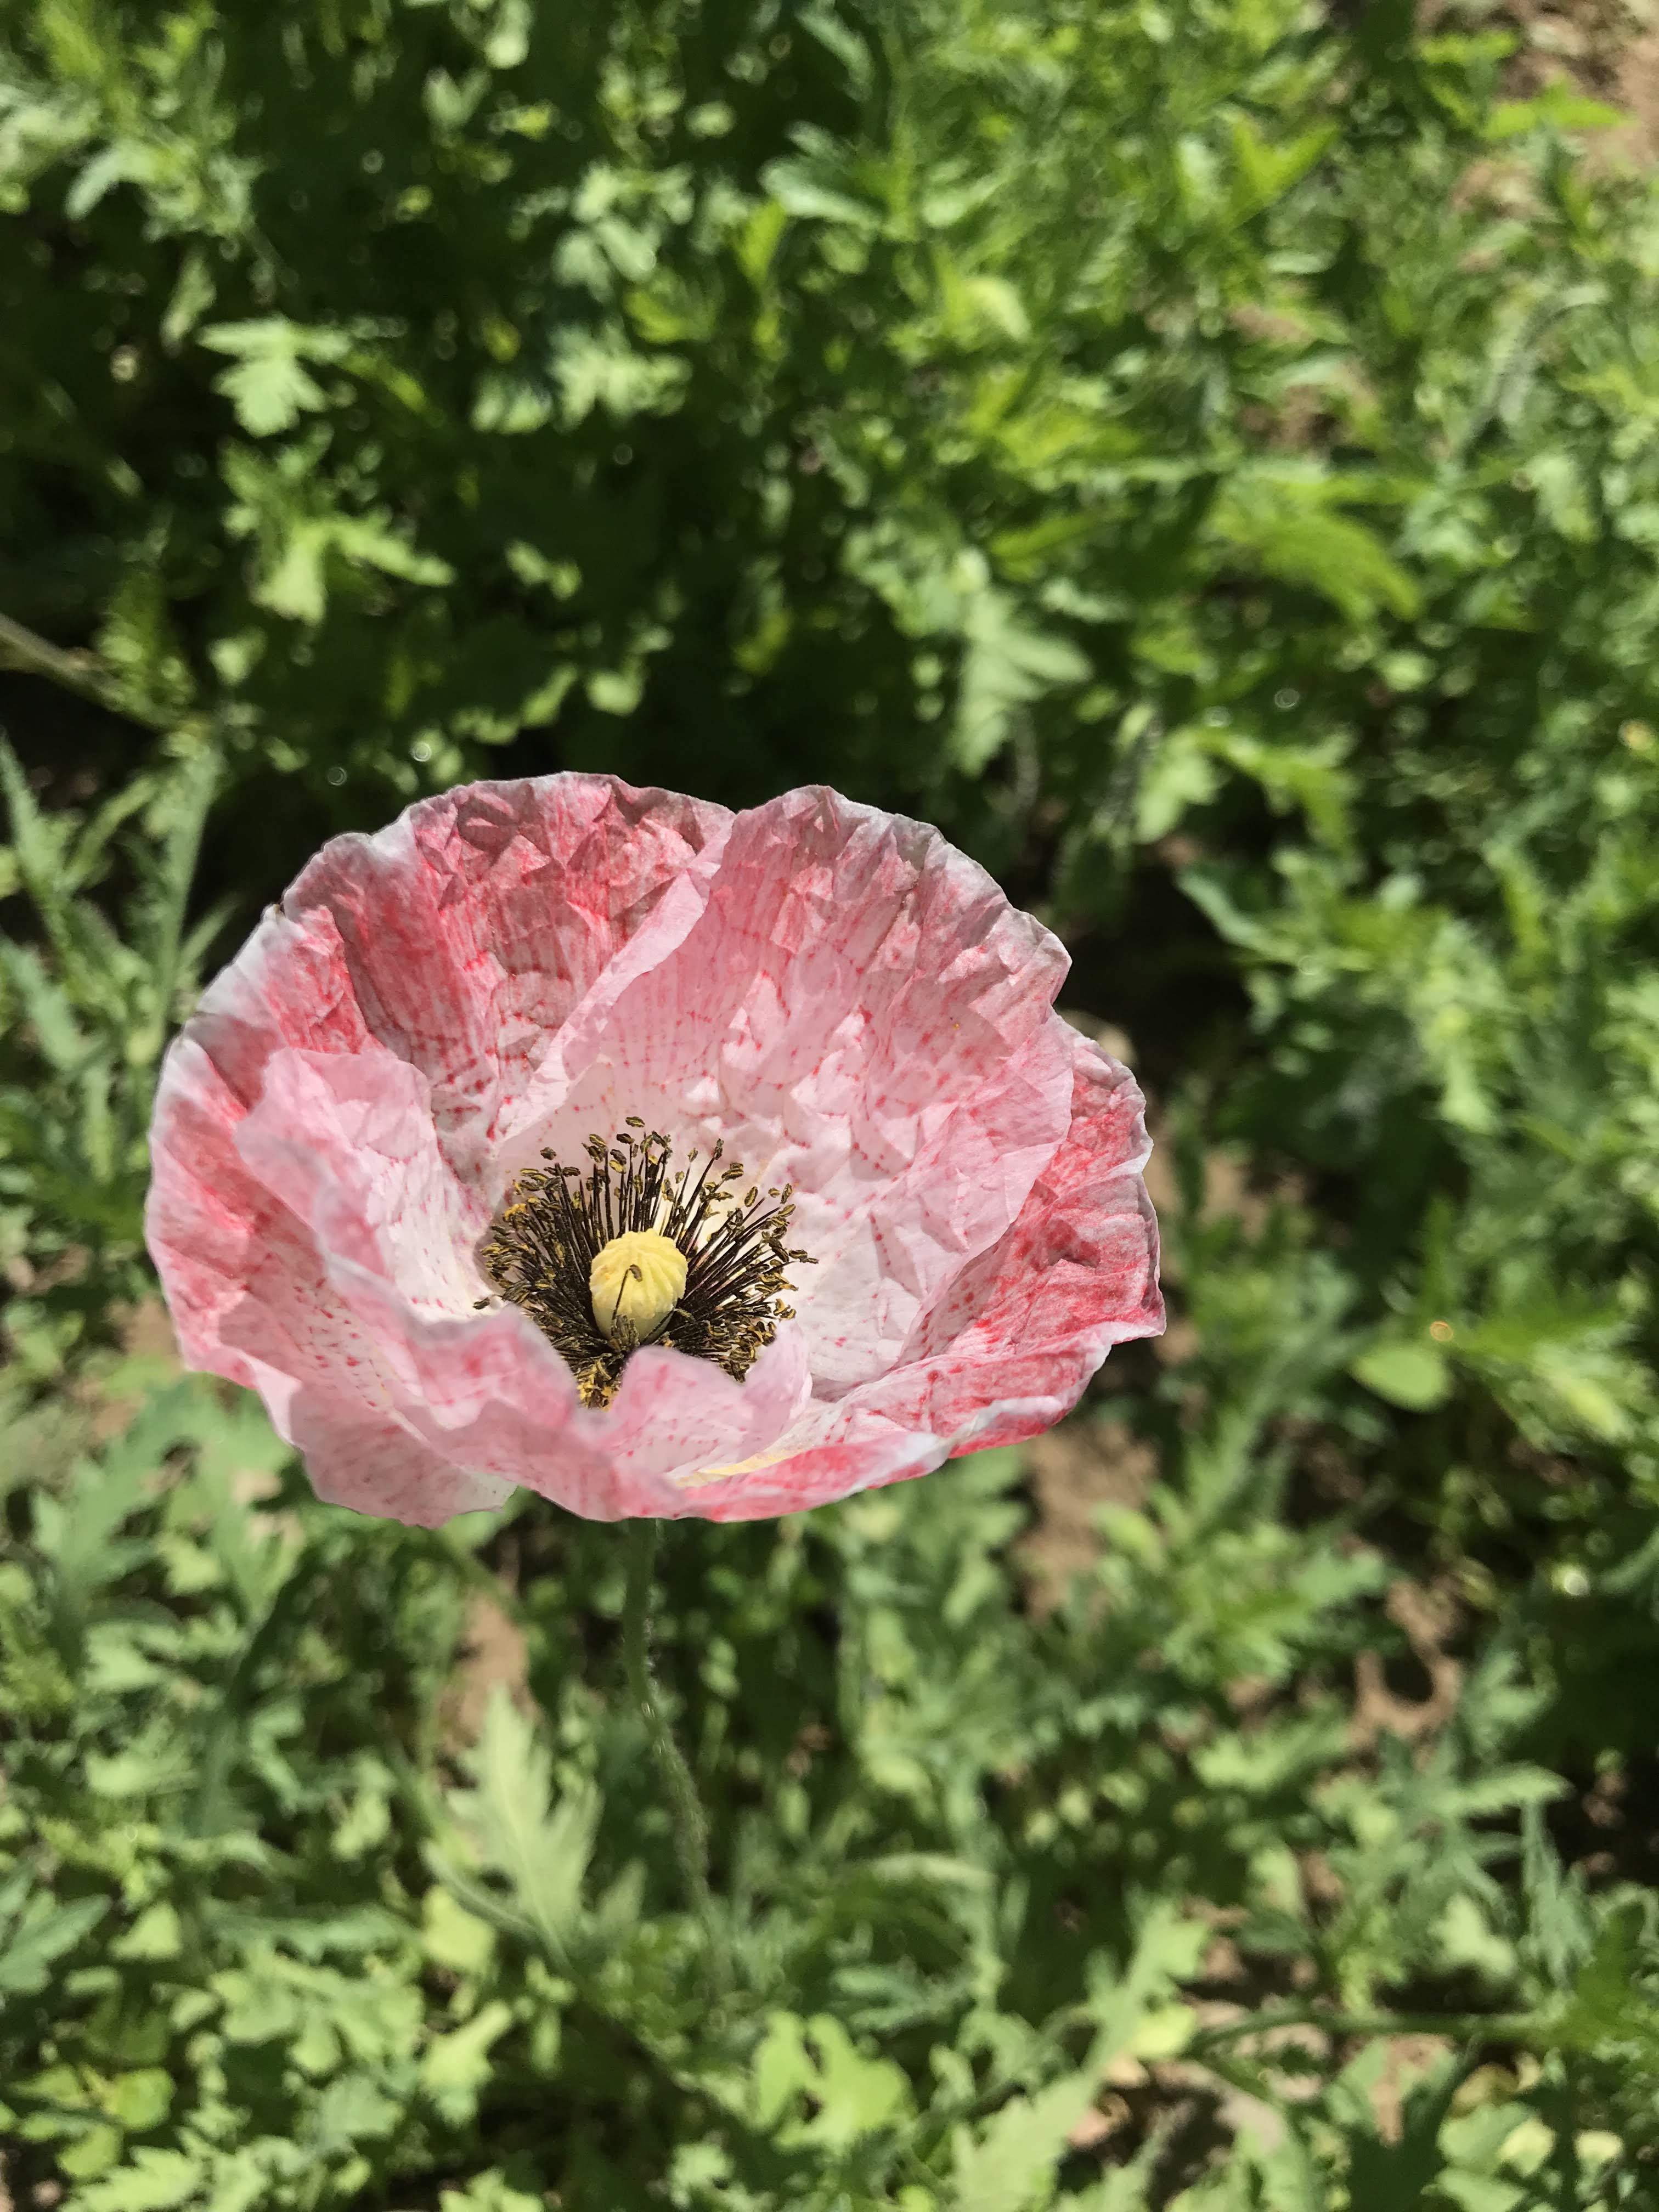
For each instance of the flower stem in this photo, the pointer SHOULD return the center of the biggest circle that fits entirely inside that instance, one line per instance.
(690, 1826)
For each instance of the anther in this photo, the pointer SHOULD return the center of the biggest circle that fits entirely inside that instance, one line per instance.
(633, 1252)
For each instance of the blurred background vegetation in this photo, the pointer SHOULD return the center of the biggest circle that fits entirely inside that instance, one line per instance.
(1201, 453)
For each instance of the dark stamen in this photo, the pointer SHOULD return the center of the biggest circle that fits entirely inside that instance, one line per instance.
(556, 1221)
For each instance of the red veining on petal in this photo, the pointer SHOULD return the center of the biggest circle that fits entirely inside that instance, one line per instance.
(852, 1004)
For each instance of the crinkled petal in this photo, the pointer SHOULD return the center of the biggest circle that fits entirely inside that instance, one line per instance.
(347, 1143)
(673, 1415)
(465, 937)
(850, 1004)
(377, 1467)
(323, 1132)
(393, 1357)
(1008, 1347)
(251, 1294)
(494, 1396)
(859, 1013)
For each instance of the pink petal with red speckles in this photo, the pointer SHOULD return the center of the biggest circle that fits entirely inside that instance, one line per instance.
(859, 1013)
(1010, 1344)
(851, 1005)
(479, 934)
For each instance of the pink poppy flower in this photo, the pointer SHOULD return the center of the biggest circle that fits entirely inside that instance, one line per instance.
(664, 1160)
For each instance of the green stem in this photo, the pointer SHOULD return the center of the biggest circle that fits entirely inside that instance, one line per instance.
(79, 672)
(690, 1827)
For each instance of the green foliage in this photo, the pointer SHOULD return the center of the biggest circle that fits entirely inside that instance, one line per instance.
(1202, 456)
(1067, 360)
(269, 1945)
(97, 998)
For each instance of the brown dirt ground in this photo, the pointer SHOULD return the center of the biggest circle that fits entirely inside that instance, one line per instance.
(1608, 48)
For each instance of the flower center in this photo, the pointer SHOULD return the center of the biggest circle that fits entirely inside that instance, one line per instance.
(631, 1254)
(635, 1282)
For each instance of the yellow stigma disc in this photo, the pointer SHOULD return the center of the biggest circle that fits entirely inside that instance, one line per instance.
(637, 1281)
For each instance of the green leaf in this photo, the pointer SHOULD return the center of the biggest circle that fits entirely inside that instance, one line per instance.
(757, 242)
(155, 1935)
(1285, 525)
(1559, 106)
(1405, 1371)
(1007, 662)
(140, 2100)
(154, 2181)
(600, 368)
(93, 2152)
(270, 386)
(1012, 2162)
(816, 188)
(814, 2061)
(192, 295)
(1267, 172)
(455, 2067)
(42, 1934)
(454, 1938)
(542, 1848)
